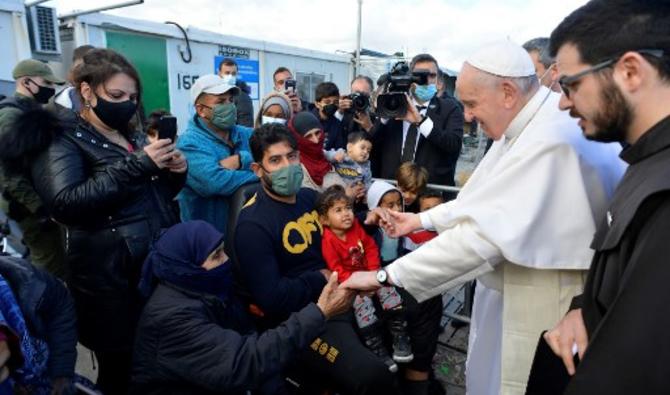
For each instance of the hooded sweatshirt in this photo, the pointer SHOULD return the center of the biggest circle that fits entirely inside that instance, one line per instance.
(388, 246)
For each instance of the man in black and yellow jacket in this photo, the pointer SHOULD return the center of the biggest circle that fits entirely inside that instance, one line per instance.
(278, 247)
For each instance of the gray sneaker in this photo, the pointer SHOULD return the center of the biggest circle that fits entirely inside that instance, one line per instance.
(375, 343)
(402, 347)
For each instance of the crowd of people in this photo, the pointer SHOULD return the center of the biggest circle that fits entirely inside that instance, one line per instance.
(269, 253)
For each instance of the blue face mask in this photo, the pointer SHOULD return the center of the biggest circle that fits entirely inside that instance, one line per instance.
(229, 79)
(425, 92)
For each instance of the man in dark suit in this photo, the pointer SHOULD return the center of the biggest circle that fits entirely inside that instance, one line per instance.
(431, 134)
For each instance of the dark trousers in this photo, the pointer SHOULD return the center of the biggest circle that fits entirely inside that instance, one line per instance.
(423, 328)
(338, 360)
(113, 372)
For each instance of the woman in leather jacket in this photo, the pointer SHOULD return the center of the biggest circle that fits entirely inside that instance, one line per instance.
(112, 192)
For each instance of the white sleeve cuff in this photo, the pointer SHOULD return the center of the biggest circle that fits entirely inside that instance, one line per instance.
(426, 222)
(457, 255)
(395, 280)
(426, 127)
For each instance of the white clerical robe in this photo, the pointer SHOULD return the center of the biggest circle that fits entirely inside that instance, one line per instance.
(521, 226)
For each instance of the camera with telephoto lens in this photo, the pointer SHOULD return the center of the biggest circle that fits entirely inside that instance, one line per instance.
(392, 102)
(359, 102)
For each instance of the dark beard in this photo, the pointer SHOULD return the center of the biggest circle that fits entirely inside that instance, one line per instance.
(266, 181)
(614, 119)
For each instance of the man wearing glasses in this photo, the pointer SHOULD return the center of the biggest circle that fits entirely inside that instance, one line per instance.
(521, 226)
(613, 58)
(430, 135)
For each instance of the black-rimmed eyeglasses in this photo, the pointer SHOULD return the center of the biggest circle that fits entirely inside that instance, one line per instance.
(567, 82)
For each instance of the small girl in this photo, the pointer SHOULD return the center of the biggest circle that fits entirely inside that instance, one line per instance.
(347, 248)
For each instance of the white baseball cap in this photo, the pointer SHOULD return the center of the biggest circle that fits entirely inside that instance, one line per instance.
(211, 84)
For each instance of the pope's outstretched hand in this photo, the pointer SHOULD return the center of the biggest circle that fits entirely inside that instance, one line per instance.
(399, 224)
(362, 281)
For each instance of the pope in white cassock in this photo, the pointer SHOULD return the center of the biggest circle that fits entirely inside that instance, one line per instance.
(521, 226)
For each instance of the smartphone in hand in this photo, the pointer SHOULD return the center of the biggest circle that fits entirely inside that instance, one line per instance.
(289, 86)
(167, 127)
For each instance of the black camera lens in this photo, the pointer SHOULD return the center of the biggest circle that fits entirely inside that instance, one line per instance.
(394, 103)
(360, 102)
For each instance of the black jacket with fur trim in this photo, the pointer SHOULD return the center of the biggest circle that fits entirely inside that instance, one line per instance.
(112, 203)
(25, 130)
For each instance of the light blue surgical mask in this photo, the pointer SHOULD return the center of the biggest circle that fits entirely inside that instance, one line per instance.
(265, 120)
(425, 92)
(229, 79)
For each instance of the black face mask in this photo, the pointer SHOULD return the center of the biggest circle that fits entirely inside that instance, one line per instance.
(330, 109)
(115, 115)
(43, 94)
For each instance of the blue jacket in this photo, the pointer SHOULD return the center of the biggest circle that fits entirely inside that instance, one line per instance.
(36, 305)
(208, 185)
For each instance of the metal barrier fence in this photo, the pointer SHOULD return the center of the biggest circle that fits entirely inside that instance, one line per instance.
(444, 188)
(467, 305)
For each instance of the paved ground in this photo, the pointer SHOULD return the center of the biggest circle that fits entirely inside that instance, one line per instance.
(449, 361)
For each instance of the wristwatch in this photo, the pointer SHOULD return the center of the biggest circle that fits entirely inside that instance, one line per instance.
(382, 277)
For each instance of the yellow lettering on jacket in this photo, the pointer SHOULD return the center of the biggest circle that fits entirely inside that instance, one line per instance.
(348, 172)
(304, 226)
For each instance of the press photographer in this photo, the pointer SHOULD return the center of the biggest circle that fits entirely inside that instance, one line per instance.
(415, 125)
(355, 111)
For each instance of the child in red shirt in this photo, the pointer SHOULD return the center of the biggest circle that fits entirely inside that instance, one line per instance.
(346, 248)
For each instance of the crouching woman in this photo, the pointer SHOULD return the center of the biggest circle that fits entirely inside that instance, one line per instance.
(192, 338)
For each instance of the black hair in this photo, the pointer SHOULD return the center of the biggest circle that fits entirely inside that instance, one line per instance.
(431, 193)
(541, 46)
(267, 135)
(604, 29)
(228, 62)
(280, 69)
(366, 79)
(326, 89)
(100, 65)
(355, 137)
(329, 197)
(423, 57)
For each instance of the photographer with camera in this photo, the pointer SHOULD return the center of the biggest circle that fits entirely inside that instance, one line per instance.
(416, 125)
(354, 111)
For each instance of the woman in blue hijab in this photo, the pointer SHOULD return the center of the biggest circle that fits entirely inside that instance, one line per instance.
(190, 338)
(189, 256)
